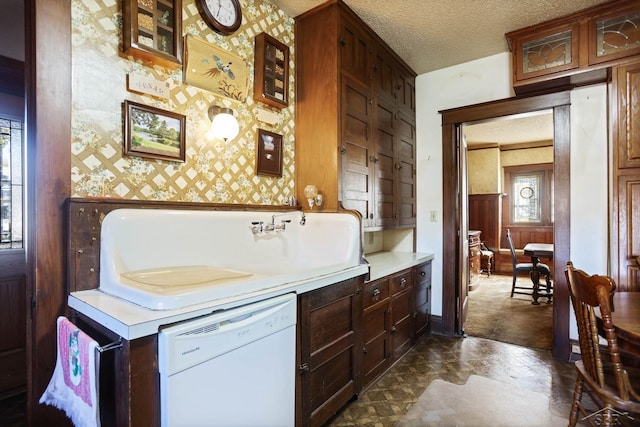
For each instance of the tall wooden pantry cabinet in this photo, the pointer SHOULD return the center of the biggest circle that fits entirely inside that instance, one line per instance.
(355, 118)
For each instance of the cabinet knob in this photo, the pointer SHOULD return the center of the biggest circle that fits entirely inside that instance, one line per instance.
(394, 329)
(422, 273)
(403, 282)
(343, 42)
(370, 216)
(374, 159)
(376, 292)
(304, 368)
(364, 350)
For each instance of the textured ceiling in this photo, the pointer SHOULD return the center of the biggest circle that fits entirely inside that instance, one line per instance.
(518, 129)
(434, 34)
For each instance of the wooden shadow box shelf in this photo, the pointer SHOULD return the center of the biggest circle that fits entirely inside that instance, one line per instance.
(271, 84)
(152, 31)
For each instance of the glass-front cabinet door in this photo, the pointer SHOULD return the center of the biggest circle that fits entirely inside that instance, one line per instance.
(547, 52)
(614, 35)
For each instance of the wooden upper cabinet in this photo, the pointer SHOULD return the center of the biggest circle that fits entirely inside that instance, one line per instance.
(575, 49)
(354, 98)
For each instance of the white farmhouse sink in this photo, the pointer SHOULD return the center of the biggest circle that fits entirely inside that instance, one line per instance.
(168, 259)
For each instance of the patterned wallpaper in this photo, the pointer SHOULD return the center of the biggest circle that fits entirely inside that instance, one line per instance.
(485, 166)
(214, 171)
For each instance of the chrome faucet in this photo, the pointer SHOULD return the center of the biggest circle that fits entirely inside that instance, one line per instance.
(259, 227)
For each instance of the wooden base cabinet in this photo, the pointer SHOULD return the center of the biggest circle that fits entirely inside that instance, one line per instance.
(330, 345)
(421, 300)
(388, 322)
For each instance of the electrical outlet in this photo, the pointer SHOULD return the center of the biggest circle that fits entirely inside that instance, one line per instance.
(434, 216)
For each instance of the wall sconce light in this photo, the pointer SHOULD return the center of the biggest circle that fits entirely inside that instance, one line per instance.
(312, 196)
(224, 125)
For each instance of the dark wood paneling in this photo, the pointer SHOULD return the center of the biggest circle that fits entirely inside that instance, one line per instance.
(485, 212)
(13, 368)
(12, 72)
(48, 120)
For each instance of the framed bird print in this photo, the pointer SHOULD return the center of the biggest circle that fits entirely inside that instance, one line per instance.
(211, 68)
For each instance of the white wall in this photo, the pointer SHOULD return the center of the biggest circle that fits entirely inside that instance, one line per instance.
(486, 79)
(589, 196)
(489, 79)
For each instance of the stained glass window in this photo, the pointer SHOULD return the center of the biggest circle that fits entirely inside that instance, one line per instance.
(11, 204)
(526, 198)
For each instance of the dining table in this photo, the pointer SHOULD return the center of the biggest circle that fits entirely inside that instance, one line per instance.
(536, 251)
(626, 321)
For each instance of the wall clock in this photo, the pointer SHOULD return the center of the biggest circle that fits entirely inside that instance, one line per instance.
(223, 16)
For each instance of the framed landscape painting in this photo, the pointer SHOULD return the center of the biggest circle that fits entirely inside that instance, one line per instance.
(152, 132)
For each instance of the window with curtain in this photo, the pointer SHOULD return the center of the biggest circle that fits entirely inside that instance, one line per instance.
(530, 190)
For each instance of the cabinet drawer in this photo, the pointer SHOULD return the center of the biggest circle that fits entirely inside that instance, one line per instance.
(401, 282)
(375, 292)
(423, 273)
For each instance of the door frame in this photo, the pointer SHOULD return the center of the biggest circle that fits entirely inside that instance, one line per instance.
(452, 279)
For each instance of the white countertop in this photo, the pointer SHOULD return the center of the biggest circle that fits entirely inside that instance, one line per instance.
(132, 321)
(385, 263)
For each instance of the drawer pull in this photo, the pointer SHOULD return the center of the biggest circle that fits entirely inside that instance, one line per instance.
(376, 292)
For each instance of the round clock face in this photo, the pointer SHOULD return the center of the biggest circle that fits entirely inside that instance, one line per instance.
(223, 16)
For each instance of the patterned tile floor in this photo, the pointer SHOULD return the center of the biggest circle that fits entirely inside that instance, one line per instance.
(455, 359)
(451, 359)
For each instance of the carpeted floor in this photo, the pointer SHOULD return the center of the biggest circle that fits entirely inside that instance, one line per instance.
(481, 402)
(493, 314)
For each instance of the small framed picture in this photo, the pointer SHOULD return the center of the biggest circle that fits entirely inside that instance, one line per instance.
(152, 132)
(269, 157)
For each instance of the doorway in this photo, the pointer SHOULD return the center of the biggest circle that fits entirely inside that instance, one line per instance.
(454, 301)
(506, 156)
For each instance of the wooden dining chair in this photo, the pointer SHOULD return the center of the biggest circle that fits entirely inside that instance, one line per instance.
(520, 268)
(601, 373)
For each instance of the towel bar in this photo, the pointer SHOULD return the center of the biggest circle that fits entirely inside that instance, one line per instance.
(110, 346)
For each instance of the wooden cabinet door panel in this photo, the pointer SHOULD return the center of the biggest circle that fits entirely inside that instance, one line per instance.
(330, 334)
(356, 148)
(627, 134)
(628, 234)
(406, 169)
(401, 318)
(384, 162)
(384, 82)
(354, 50)
(377, 345)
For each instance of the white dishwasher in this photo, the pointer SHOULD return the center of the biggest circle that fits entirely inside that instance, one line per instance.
(231, 368)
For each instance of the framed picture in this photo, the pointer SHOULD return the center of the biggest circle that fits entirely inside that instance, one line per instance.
(211, 68)
(269, 153)
(152, 132)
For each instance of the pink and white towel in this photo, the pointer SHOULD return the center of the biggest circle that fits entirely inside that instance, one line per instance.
(73, 387)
